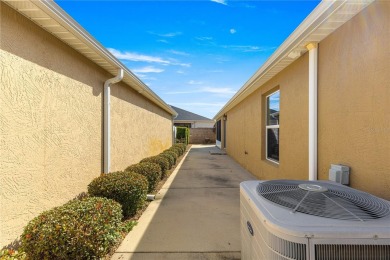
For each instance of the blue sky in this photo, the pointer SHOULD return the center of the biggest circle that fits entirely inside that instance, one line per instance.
(194, 54)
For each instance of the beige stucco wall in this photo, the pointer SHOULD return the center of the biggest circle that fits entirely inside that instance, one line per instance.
(51, 123)
(245, 123)
(354, 100)
(138, 127)
(353, 109)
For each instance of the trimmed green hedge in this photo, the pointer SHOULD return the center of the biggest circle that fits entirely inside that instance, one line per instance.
(162, 161)
(169, 157)
(177, 150)
(80, 229)
(182, 134)
(127, 188)
(181, 146)
(152, 171)
(171, 153)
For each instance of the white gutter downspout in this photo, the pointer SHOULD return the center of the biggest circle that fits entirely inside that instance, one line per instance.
(313, 64)
(173, 130)
(107, 120)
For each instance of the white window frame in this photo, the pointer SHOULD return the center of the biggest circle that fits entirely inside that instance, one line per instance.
(270, 127)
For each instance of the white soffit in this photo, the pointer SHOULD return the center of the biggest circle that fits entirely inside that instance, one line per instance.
(48, 15)
(321, 22)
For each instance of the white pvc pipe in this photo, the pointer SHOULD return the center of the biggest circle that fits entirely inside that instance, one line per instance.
(107, 120)
(313, 64)
(150, 197)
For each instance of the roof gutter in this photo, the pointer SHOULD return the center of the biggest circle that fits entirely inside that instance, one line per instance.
(59, 15)
(107, 120)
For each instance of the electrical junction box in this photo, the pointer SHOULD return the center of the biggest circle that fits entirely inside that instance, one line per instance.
(339, 173)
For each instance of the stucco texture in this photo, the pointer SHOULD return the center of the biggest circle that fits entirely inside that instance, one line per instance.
(246, 122)
(51, 123)
(138, 128)
(354, 98)
(353, 109)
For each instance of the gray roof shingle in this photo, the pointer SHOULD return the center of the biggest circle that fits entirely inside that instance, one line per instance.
(186, 115)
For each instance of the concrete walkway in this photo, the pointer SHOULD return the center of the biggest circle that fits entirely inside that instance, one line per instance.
(196, 214)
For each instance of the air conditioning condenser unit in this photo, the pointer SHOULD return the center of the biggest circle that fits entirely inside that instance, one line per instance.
(312, 220)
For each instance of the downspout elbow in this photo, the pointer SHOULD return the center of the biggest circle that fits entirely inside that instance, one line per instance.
(114, 80)
(107, 120)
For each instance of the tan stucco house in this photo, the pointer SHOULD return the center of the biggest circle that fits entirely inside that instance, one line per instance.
(322, 98)
(69, 111)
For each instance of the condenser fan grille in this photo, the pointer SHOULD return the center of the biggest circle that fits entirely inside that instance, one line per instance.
(324, 199)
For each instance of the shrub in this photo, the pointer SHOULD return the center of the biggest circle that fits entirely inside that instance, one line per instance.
(151, 171)
(182, 147)
(176, 149)
(127, 188)
(163, 162)
(171, 153)
(182, 134)
(170, 159)
(80, 229)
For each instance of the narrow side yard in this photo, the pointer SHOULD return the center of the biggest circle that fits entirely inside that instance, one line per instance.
(196, 214)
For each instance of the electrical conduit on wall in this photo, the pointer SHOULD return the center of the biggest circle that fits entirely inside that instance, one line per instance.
(107, 120)
(313, 64)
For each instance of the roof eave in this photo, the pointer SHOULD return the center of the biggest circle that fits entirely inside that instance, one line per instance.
(308, 31)
(104, 58)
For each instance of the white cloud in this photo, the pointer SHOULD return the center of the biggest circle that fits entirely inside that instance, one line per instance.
(181, 53)
(223, 2)
(147, 69)
(247, 48)
(194, 82)
(145, 77)
(163, 41)
(131, 56)
(233, 31)
(249, 6)
(183, 64)
(212, 90)
(218, 90)
(167, 35)
(204, 38)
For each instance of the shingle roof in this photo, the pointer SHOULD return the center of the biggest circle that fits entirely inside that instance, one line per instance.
(186, 115)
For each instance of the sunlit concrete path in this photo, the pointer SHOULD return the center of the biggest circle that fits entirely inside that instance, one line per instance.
(196, 214)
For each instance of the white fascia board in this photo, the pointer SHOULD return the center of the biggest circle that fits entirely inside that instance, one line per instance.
(60, 16)
(296, 41)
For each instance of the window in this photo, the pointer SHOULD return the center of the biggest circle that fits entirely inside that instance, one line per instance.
(219, 130)
(272, 127)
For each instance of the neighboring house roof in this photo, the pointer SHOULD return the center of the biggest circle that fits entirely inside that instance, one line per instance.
(184, 115)
(321, 22)
(52, 18)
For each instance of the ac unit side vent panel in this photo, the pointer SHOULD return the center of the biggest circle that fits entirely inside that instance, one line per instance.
(352, 252)
(281, 248)
(324, 199)
(265, 243)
